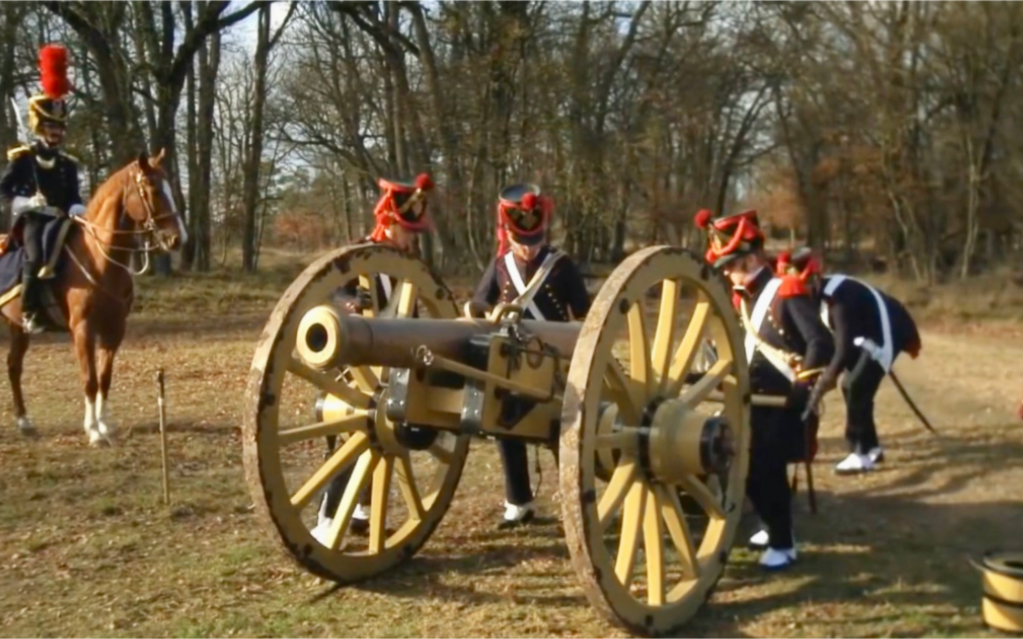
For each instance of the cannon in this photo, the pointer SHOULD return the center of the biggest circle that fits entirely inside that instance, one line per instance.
(652, 453)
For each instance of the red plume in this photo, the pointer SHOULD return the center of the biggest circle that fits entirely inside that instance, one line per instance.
(53, 62)
(702, 218)
(423, 182)
(529, 201)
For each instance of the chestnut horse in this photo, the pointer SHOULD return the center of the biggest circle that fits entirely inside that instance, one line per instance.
(93, 287)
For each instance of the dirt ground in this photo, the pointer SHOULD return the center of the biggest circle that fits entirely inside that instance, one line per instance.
(87, 548)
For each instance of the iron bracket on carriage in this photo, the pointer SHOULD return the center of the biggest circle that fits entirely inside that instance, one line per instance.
(652, 448)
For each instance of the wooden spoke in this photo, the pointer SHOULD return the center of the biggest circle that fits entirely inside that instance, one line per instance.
(325, 382)
(710, 380)
(654, 550)
(703, 496)
(682, 361)
(625, 392)
(351, 496)
(346, 424)
(406, 299)
(342, 457)
(632, 523)
(621, 481)
(639, 351)
(664, 335)
(678, 529)
(407, 485)
(378, 503)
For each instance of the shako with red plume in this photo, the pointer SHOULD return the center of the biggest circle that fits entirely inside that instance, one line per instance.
(397, 204)
(801, 263)
(50, 106)
(523, 214)
(730, 236)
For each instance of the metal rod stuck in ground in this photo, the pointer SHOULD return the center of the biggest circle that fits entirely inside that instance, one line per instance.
(163, 436)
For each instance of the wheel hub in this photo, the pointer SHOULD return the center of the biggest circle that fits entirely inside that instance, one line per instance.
(683, 443)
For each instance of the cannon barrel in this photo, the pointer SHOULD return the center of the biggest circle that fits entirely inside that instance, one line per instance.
(327, 338)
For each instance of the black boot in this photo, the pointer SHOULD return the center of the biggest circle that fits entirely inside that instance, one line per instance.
(30, 307)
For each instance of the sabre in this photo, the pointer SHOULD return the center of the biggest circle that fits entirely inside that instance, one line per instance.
(22, 132)
(912, 405)
(875, 352)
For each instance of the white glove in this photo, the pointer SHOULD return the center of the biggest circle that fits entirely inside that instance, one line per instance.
(37, 201)
(76, 209)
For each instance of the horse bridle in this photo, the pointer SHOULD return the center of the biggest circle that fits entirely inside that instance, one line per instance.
(149, 224)
(149, 227)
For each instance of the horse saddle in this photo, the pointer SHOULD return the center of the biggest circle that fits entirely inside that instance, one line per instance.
(54, 235)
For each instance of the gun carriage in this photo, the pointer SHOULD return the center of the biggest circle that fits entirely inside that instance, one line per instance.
(652, 454)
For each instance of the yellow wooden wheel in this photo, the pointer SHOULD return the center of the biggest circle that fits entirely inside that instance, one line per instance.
(646, 561)
(409, 475)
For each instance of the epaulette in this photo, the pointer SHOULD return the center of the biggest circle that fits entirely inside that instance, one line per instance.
(68, 156)
(792, 286)
(18, 151)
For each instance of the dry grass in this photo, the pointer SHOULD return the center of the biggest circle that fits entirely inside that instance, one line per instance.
(87, 549)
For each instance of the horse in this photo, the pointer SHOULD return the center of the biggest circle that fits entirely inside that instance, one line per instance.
(93, 288)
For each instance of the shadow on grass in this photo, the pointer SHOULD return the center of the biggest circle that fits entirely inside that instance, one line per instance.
(874, 566)
(889, 559)
(960, 456)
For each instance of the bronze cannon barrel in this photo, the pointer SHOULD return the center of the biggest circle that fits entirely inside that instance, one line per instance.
(327, 338)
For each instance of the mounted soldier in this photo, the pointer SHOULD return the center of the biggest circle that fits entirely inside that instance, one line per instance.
(40, 181)
(870, 329)
(547, 285)
(787, 347)
(400, 215)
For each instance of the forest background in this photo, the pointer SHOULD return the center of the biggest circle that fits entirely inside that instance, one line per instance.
(886, 134)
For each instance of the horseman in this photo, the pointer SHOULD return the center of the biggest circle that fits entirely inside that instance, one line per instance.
(401, 215)
(547, 285)
(870, 329)
(41, 181)
(787, 346)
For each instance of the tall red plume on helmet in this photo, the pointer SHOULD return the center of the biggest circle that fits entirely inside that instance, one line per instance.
(53, 63)
(702, 218)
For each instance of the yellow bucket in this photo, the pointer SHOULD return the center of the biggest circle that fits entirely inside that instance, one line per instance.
(1002, 606)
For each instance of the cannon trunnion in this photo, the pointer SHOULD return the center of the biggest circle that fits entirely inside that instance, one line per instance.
(652, 452)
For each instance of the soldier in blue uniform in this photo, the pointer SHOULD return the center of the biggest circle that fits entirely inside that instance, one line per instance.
(787, 346)
(40, 182)
(401, 215)
(546, 283)
(870, 330)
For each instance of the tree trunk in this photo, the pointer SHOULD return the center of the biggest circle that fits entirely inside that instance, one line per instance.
(12, 14)
(255, 152)
(209, 66)
(188, 250)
